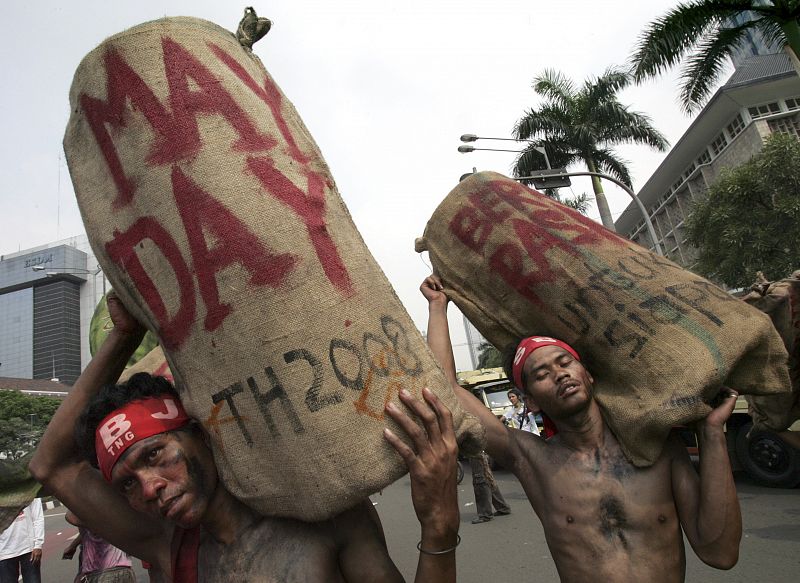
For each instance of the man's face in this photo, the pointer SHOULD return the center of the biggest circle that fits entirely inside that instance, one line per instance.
(170, 475)
(556, 382)
(514, 399)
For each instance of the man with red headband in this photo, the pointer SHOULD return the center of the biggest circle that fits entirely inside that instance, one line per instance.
(157, 494)
(604, 518)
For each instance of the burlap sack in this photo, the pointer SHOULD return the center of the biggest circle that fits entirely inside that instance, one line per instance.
(780, 300)
(663, 340)
(214, 216)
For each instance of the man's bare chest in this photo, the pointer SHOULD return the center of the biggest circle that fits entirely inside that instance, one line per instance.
(604, 494)
(293, 557)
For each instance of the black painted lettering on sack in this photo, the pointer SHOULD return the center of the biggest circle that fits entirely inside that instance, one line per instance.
(714, 290)
(640, 270)
(314, 400)
(582, 309)
(227, 395)
(610, 277)
(663, 310)
(397, 335)
(379, 362)
(276, 393)
(679, 291)
(338, 347)
(643, 326)
(617, 336)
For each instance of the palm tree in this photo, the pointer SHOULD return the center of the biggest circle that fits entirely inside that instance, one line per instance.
(489, 356)
(702, 35)
(580, 126)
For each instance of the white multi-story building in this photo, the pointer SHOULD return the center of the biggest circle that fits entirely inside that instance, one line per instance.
(762, 97)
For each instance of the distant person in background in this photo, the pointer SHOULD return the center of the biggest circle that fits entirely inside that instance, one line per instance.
(518, 415)
(99, 561)
(21, 546)
(487, 494)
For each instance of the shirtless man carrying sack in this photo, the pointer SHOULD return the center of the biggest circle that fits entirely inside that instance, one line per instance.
(604, 519)
(158, 496)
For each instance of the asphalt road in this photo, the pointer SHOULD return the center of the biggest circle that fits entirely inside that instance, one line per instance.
(512, 549)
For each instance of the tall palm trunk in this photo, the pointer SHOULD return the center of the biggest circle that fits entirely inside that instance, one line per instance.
(600, 197)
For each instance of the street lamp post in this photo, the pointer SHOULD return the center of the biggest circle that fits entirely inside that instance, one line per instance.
(559, 173)
(55, 271)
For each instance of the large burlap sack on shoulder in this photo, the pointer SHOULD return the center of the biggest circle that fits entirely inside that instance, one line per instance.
(780, 300)
(214, 216)
(663, 340)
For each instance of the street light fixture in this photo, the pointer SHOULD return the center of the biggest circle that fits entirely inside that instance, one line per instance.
(560, 173)
(56, 271)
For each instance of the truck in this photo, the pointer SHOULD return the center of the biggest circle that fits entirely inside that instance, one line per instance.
(770, 458)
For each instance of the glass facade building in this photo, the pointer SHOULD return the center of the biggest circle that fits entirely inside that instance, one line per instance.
(47, 298)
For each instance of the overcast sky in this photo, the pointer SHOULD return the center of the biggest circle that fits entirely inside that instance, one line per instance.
(386, 89)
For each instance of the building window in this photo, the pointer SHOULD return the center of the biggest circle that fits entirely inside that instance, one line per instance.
(736, 126)
(785, 125)
(793, 103)
(688, 172)
(764, 110)
(704, 158)
(719, 144)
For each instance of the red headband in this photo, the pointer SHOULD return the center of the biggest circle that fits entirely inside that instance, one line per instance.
(528, 346)
(133, 422)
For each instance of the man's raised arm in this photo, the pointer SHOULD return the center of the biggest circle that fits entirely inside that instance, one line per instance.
(497, 437)
(58, 464)
(708, 506)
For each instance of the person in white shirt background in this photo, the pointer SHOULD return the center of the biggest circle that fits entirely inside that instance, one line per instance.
(21, 546)
(518, 416)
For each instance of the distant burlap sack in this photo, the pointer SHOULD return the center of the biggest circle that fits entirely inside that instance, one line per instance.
(663, 340)
(780, 300)
(214, 216)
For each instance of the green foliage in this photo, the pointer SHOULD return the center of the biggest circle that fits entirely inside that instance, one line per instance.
(489, 356)
(580, 126)
(699, 34)
(23, 419)
(579, 202)
(750, 220)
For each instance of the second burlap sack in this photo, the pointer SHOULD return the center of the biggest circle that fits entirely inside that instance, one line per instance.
(663, 340)
(780, 300)
(216, 219)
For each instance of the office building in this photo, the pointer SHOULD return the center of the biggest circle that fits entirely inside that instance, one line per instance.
(47, 299)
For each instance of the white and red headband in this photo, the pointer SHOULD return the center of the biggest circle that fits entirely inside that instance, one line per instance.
(527, 346)
(133, 422)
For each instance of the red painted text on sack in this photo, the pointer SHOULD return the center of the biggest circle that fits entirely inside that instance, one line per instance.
(177, 139)
(495, 203)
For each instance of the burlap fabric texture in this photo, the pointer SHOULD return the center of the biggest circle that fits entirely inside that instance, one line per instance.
(663, 340)
(216, 219)
(780, 300)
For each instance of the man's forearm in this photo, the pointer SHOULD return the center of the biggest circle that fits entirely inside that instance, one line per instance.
(719, 518)
(439, 339)
(57, 445)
